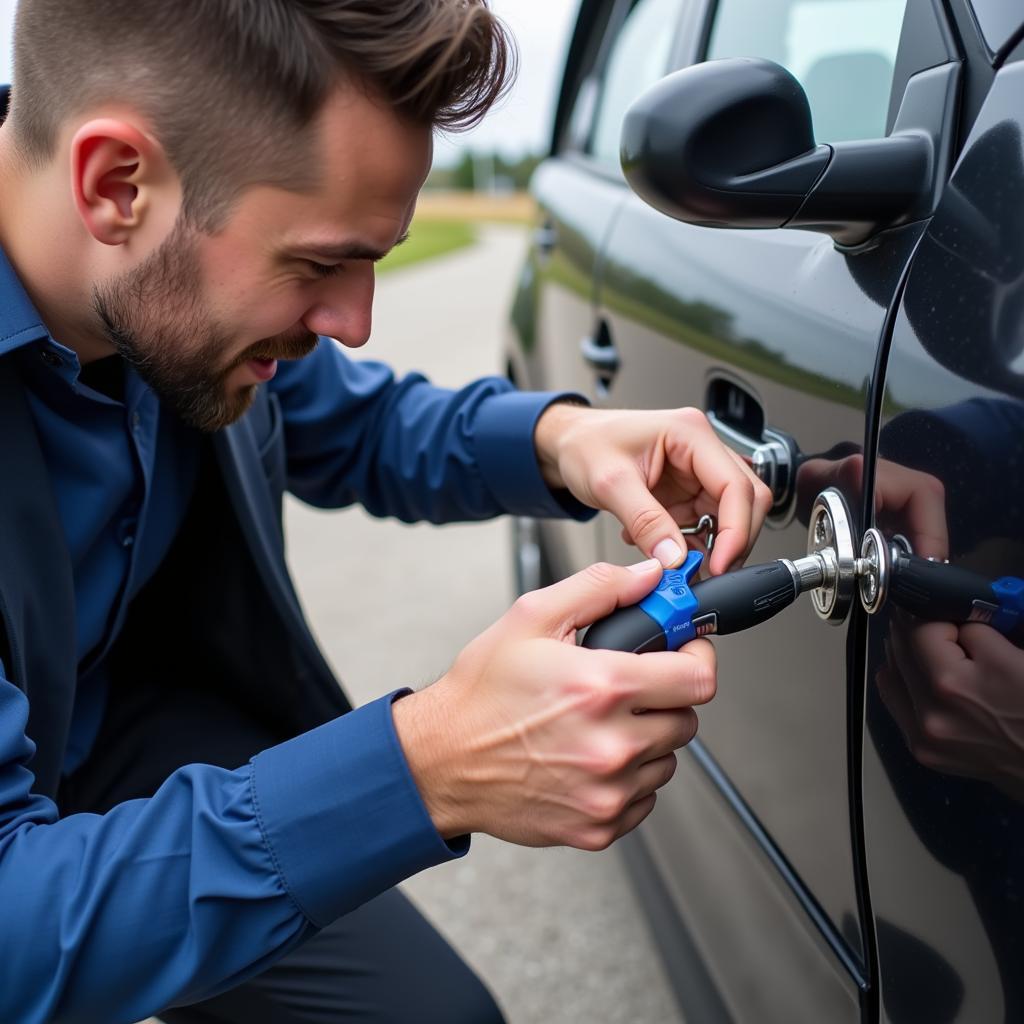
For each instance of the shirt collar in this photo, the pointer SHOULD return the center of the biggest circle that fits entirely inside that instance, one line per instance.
(20, 322)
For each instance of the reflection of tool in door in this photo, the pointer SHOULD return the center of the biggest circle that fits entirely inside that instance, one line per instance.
(933, 590)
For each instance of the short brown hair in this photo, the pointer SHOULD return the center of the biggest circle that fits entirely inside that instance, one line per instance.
(231, 86)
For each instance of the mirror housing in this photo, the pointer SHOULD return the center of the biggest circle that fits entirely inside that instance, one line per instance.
(730, 143)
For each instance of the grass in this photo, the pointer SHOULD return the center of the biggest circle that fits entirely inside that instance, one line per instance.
(447, 221)
(427, 240)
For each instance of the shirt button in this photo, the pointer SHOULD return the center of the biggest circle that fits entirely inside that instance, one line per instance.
(126, 531)
(51, 358)
(136, 421)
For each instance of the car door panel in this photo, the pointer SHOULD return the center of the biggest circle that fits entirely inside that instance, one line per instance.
(797, 324)
(730, 898)
(784, 314)
(944, 756)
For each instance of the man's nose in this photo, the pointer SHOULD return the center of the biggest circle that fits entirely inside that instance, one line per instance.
(344, 313)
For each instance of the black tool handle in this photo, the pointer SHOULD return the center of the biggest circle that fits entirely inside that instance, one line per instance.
(626, 629)
(726, 604)
(744, 598)
(938, 592)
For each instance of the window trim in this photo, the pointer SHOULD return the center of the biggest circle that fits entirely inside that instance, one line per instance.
(586, 56)
(626, 8)
(620, 10)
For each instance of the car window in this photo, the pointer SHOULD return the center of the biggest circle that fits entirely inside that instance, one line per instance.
(842, 51)
(639, 57)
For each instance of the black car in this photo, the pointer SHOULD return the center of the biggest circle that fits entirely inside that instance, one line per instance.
(828, 259)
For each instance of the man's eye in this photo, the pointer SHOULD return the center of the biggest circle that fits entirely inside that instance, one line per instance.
(324, 269)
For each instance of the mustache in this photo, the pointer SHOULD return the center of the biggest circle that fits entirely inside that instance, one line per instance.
(283, 346)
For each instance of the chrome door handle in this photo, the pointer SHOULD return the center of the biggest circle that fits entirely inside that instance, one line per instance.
(545, 238)
(603, 356)
(773, 457)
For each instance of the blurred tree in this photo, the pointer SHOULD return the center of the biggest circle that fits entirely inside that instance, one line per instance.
(464, 173)
(485, 170)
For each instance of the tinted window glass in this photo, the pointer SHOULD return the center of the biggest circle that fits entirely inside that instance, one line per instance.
(582, 114)
(638, 59)
(842, 51)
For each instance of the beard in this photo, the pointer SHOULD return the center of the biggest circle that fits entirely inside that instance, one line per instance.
(154, 317)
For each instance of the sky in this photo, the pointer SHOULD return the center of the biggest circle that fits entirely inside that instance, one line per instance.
(522, 123)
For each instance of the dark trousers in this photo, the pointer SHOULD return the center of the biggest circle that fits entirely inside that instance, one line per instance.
(383, 963)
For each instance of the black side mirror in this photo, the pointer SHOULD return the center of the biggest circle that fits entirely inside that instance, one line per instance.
(729, 143)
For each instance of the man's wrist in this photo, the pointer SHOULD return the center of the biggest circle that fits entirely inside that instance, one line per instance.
(548, 434)
(429, 752)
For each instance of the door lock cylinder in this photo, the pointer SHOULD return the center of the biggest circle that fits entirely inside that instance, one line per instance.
(830, 536)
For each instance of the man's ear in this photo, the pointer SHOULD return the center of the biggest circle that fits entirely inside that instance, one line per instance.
(118, 172)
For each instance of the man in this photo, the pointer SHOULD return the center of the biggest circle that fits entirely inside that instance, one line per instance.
(188, 818)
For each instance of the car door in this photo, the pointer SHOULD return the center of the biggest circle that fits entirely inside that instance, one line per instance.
(776, 334)
(618, 48)
(944, 755)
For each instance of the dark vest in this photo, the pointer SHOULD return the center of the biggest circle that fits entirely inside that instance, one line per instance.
(221, 612)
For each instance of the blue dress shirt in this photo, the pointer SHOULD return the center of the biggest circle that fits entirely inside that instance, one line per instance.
(172, 899)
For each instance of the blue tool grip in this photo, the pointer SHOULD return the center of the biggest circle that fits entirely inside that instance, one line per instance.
(672, 603)
(662, 621)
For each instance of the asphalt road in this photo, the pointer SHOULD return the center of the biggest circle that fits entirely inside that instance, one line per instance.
(555, 933)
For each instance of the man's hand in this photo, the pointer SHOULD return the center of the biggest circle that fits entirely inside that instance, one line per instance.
(540, 742)
(956, 693)
(654, 471)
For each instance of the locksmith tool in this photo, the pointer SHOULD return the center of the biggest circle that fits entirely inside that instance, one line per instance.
(678, 610)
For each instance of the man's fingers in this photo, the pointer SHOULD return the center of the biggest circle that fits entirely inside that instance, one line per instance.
(653, 775)
(644, 518)
(587, 596)
(763, 500)
(743, 501)
(602, 836)
(735, 527)
(661, 680)
(657, 734)
(635, 814)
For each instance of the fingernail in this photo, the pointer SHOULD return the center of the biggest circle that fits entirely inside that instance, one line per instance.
(668, 553)
(644, 566)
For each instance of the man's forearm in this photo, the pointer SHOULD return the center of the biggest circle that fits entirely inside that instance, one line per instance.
(405, 448)
(209, 881)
